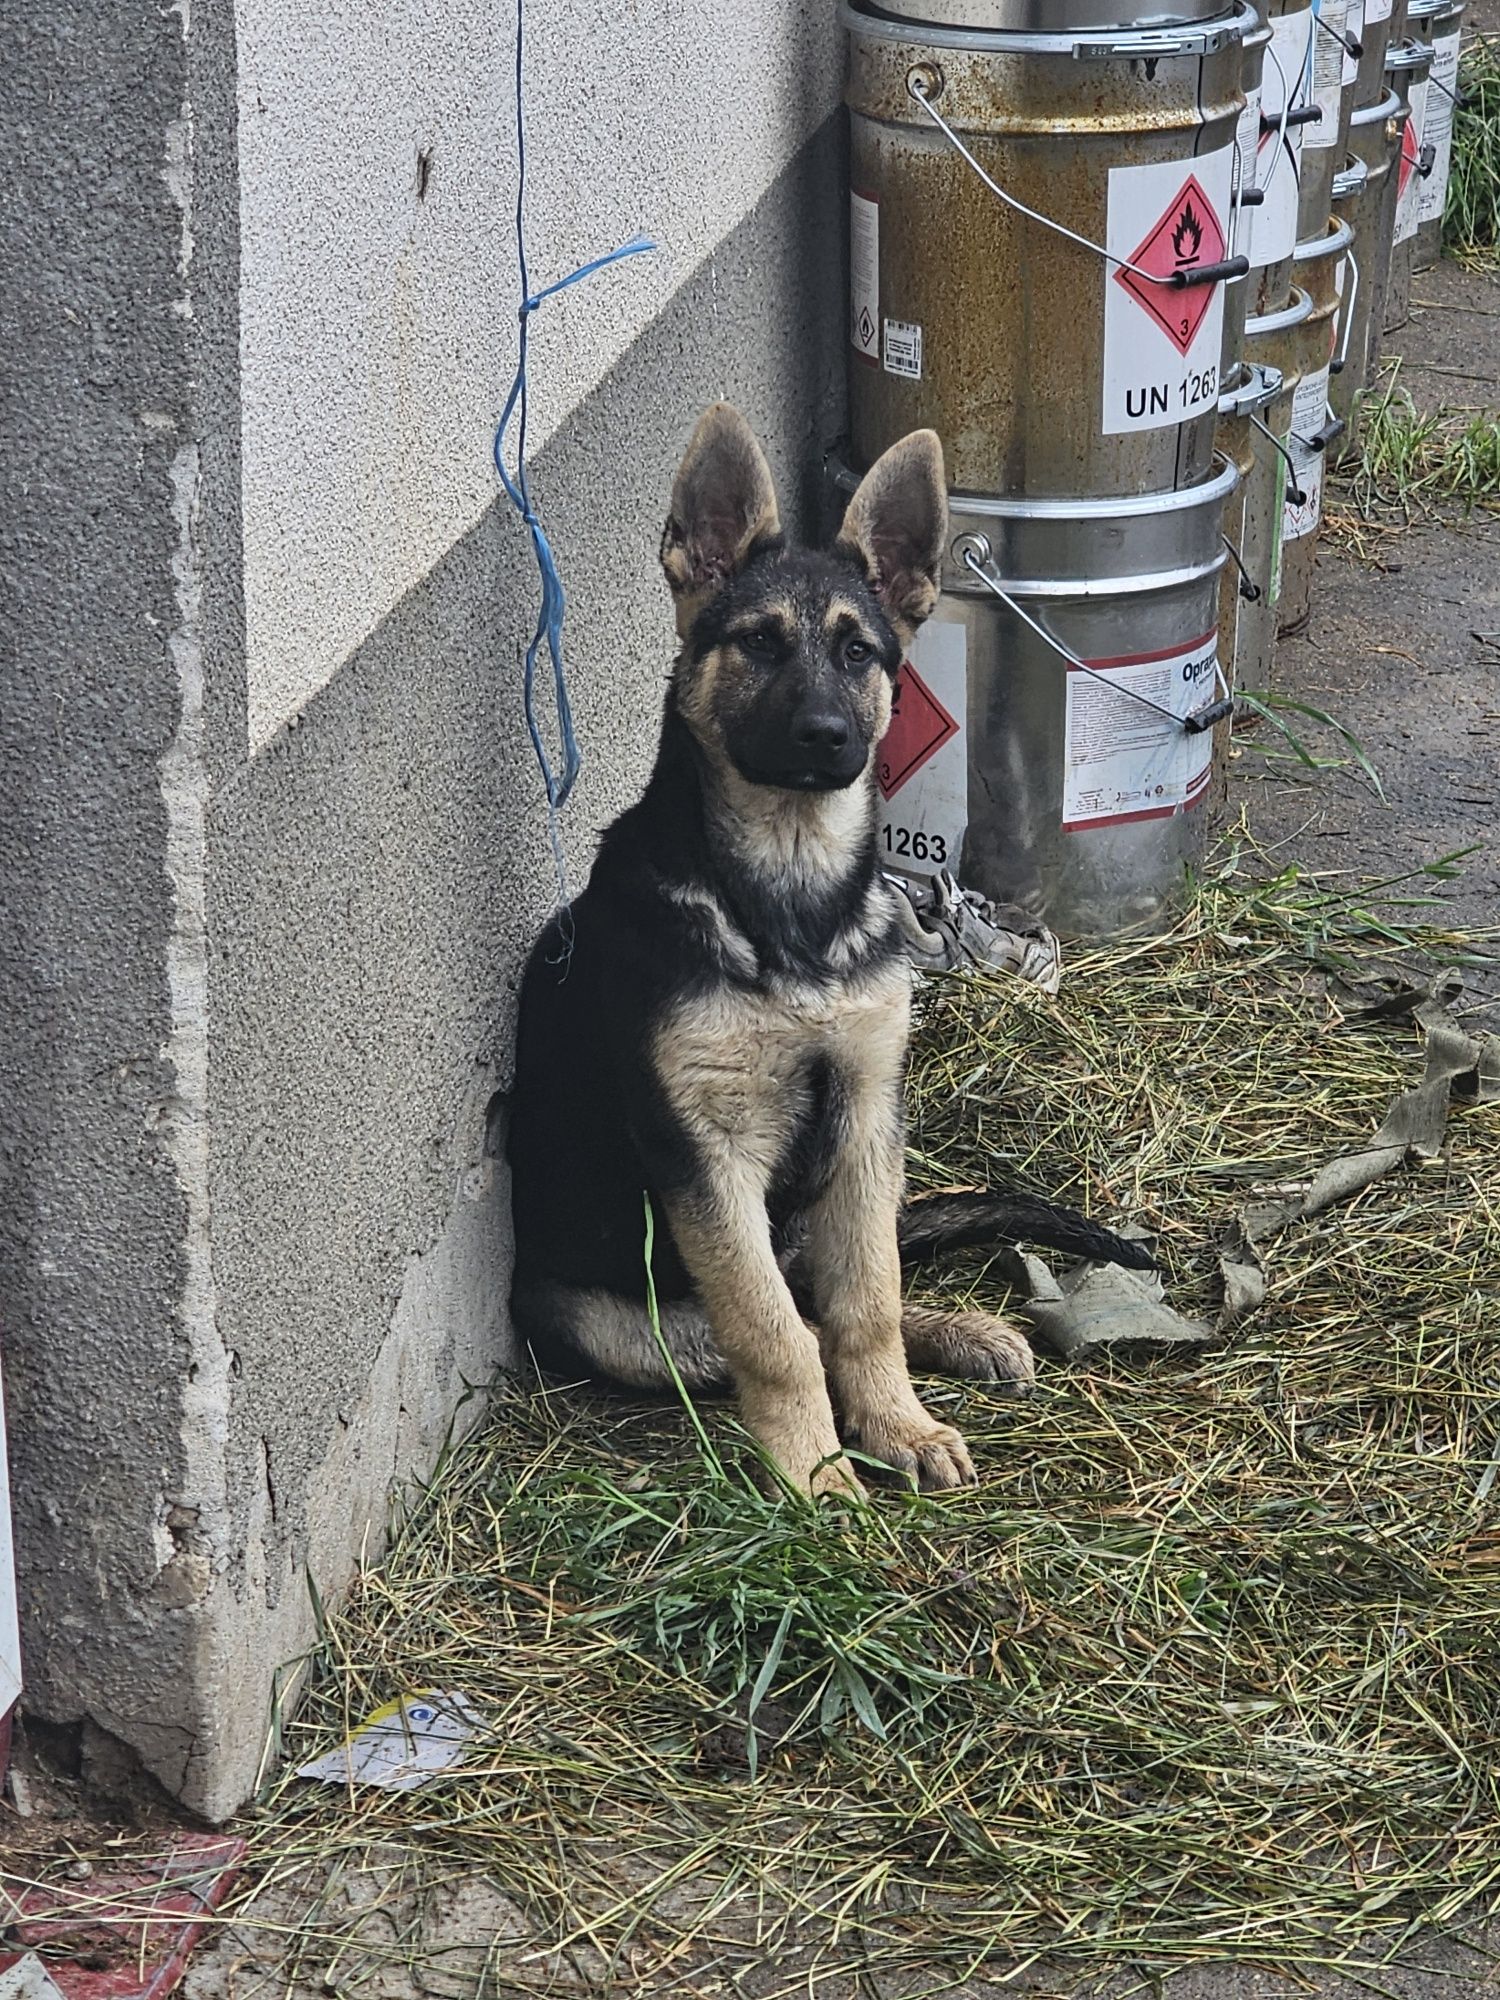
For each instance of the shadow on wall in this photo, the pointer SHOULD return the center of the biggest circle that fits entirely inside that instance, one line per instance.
(377, 872)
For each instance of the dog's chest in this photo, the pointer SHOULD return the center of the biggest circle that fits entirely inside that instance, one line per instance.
(738, 1062)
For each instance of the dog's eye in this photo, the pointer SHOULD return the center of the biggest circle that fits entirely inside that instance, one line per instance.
(762, 647)
(857, 653)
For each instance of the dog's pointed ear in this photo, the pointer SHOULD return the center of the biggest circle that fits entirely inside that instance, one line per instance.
(722, 503)
(898, 522)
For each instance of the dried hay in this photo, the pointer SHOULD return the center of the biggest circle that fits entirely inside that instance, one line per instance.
(1207, 1668)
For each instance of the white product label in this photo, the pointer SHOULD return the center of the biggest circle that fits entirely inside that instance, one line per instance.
(903, 349)
(1408, 176)
(922, 766)
(1442, 84)
(1122, 760)
(864, 276)
(1309, 415)
(1246, 144)
(1278, 167)
(1354, 28)
(1328, 70)
(1377, 11)
(1278, 517)
(1162, 341)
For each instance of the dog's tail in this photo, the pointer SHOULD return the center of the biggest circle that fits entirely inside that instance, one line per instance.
(933, 1223)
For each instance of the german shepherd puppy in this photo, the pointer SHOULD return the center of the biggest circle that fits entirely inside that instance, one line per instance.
(720, 1020)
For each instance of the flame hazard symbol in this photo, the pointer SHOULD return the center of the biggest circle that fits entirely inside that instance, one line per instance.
(1187, 235)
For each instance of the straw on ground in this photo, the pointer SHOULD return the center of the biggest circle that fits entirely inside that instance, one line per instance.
(1208, 1666)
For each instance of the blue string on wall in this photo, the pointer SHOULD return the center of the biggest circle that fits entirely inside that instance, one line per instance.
(549, 624)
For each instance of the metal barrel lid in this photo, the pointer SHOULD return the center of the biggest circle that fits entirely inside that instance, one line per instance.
(1046, 17)
(1257, 388)
(1125, 546)
(1289, 316)
(1058, 34)
(1334, 241)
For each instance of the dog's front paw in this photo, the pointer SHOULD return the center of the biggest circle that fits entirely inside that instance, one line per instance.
(807, 1454)
(931, 1454)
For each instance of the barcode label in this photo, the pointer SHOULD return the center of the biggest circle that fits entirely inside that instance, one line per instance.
(903, 349)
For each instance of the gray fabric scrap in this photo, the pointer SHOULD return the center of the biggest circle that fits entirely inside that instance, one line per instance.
(1102, 1306)
(1244, 1276)
(1095, 1306)
(1414, 1128)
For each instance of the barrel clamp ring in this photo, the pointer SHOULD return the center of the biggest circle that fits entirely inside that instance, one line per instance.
(974, 553)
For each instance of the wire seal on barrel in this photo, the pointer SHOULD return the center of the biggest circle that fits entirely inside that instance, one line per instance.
(1191, 725)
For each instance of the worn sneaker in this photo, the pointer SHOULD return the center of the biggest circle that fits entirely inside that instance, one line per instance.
(947, 928)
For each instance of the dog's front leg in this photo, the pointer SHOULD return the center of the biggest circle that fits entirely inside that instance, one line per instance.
(856, 1277)
(724, 1238)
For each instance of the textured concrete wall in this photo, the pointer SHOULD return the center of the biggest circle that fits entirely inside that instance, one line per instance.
(96, 417)
(278, 829)
(379, 293)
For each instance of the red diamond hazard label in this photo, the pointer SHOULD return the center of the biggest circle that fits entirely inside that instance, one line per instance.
(920, 726)
(1187, 236)
(1411, 146)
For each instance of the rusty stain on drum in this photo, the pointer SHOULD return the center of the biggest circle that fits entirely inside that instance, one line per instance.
(1012, 314)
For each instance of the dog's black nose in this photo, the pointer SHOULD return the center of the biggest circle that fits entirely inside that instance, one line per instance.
(821, 732)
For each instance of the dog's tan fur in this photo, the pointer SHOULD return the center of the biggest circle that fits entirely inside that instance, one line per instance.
(762, 1049)
(730, 1069)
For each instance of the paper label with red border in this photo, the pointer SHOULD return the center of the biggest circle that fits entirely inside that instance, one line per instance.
(922, 765)
(1309, 415)
(1408, 176)
(1161, 343)
(1278, 159)
(1328, 70)
(864, 276)
(1437, 127)
(1122, 760)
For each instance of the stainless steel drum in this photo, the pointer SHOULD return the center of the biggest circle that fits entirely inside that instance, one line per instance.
(1374, 135)
(1284, 113)
(1247, 621)
(1045, 366)
(1354, 48)
(1041, 17)
(1287, 342)
(1444, 32)
(1409, 66)
(1245, 199)
(1086, 793)
(1349, 188)
(1327, 139)
(1374, 34)
(1323, 272)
